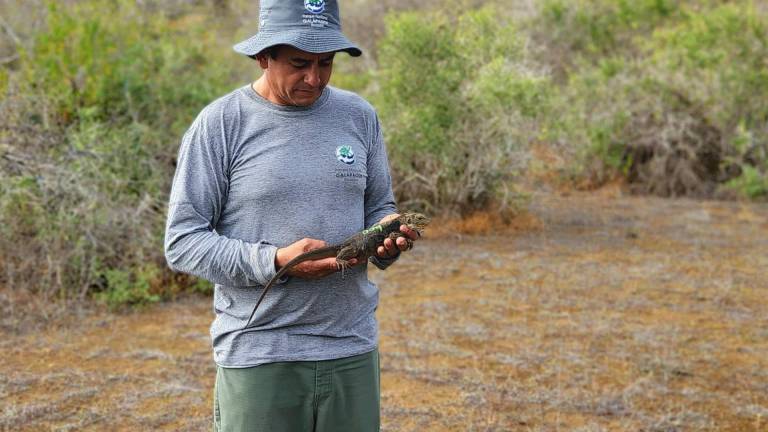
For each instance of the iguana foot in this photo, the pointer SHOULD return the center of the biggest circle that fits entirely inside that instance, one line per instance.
(342, 265)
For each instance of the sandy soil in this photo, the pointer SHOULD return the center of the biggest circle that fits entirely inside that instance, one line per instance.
(605, 313)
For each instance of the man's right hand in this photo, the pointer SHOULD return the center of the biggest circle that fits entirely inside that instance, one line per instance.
(311, 269)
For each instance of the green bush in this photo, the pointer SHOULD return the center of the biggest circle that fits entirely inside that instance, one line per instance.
(459, 104)
(350, 74)
(668, 112)
(129, 288)
(717, 59)
(91, 123)
(577, 31)
(752, 183)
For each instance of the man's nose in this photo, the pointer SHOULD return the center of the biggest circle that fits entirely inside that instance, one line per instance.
(312, 77)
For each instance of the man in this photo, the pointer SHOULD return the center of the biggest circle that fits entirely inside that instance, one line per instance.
(267, 172)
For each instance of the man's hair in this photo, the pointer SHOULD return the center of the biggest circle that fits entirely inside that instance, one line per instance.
(270, 51)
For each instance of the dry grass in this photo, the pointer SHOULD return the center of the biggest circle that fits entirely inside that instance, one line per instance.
(636, 314)
(484, 223)
(615, 314)
(147, 370)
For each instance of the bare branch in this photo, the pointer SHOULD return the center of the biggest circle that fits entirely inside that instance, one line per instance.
(12, 34)
(9, 59)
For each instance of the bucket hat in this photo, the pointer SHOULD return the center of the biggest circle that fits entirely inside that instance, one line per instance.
(309, 25)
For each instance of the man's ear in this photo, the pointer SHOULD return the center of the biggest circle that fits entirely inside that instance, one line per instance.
(263, 59)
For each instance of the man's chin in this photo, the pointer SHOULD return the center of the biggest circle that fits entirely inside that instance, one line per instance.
(304, 98)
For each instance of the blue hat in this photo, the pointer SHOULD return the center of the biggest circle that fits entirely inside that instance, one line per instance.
(309, 25)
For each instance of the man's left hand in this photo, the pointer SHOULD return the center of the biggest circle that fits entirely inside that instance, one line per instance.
(391, 249)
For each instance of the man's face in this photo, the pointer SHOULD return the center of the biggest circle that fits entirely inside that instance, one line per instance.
(296, 77)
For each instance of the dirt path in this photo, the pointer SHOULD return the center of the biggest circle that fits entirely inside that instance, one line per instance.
(615, 314)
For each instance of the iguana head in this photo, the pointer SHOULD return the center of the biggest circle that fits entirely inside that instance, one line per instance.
(414, 221)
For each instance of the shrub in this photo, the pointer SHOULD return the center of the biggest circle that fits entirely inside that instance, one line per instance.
(573, 32)
(717, 60)
(91, 124)
(667, 116)
(129, 288)
(459, 103)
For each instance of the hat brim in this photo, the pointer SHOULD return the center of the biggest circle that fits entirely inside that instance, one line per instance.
(326, 40)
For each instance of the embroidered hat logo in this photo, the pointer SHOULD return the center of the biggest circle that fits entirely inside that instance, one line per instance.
(345, 154)
(314, 6)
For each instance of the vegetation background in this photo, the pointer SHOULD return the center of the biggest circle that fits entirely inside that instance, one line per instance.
(667, 95)
(483, 102)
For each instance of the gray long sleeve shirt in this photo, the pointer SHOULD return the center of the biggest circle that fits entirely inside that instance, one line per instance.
(253, 176)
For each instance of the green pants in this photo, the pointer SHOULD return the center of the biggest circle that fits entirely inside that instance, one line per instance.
(308, 396)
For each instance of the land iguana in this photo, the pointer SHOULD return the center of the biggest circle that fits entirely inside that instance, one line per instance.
(362, 246)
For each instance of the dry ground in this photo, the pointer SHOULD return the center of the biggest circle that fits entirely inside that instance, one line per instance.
(608, 314)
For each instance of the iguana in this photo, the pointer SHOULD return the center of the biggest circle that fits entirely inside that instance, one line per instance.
(362, 246)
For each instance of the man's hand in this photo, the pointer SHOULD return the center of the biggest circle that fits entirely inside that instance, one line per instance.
(311, 269)
(391, 249)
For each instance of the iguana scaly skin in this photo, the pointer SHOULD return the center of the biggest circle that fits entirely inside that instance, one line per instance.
(362, 246)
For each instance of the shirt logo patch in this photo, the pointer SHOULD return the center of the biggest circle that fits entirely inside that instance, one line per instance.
(345, 154)
(314, 6)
